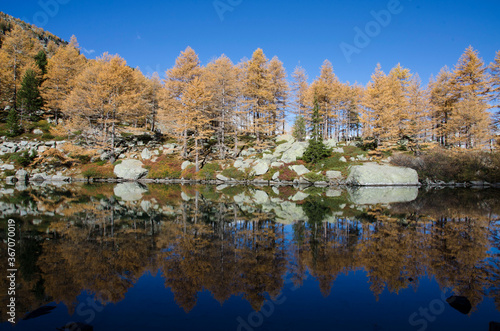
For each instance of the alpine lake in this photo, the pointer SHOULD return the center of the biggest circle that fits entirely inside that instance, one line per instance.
(130, 256)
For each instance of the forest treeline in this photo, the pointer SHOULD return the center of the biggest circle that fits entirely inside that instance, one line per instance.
(223, 105)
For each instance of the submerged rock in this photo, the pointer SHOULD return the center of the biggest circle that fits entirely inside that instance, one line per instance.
(372, 174)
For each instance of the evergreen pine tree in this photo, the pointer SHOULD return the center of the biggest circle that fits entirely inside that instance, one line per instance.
(299, 128)
(13, 126)
(41, 62)
(316, 150)
(29, 99)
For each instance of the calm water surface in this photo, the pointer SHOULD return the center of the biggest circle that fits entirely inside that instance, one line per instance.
(134, 257)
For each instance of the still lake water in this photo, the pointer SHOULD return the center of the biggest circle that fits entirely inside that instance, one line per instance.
(134, 257)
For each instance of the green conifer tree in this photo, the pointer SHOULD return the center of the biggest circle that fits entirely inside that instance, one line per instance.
(13, 126)
(316, 150)
(29, 99)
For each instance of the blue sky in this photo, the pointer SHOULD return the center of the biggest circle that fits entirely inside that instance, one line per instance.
(420, 34)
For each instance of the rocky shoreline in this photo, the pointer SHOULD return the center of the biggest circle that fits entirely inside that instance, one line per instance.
(261, 169)
(23, 177)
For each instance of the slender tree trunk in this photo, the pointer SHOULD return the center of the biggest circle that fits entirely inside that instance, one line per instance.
(197, 153)
(184, 146)
(113, 135)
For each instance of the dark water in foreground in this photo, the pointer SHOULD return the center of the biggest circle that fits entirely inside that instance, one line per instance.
(131, 257)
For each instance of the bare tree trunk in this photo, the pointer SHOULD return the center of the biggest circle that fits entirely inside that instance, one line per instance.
(197, 153)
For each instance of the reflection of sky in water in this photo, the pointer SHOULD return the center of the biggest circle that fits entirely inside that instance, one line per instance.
(350, 306)
(338, 289)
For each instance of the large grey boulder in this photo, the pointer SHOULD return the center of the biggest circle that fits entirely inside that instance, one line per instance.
(185, 164)
(129, 191)
(372, 174)
(331, 143)
(222, 178)
(300, 169)
(383, 195)
(130, 169)
(260, 168)
(286, 137)
(296, 151)
(333, 174)
(146, 154)
(22, 175)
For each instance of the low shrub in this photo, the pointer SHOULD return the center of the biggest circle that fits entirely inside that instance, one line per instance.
(269, 175)
(84, 159)
(234, 173)
(165, 167)
(98, 172)
(209, 171)
(189, 173)
(315, 177)
(287, 174)
(447, 165)
(367, 144)
(23, 159)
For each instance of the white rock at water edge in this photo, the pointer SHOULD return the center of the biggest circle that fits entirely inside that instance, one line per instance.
(130, 169)
(372, 174)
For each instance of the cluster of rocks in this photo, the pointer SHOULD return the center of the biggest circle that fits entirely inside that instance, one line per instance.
(149, 151)
(23, 177)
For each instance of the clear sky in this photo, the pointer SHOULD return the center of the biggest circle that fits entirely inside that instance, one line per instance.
(422, 35)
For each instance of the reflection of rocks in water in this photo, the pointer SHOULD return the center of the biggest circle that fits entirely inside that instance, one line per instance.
(494, 326)
(229, 241)
(130, 191)
(286, 212)
(462, 304)
(39, 312)
(375, 195)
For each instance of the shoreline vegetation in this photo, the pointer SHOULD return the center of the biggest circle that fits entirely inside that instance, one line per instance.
(64, 117)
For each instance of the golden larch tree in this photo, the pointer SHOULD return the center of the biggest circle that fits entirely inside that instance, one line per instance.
(299, 87)
(495, 85)
(280, 91)
(196, 99)
(62, 69)
(221, 80)
(470, 123)
(258, 97)
(17, 54)
(105, 94)
(441, 103)
(186, 69)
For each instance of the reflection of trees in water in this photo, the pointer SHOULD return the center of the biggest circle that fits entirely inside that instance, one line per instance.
(103, 246)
